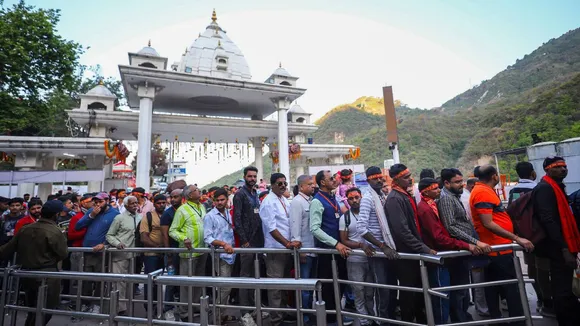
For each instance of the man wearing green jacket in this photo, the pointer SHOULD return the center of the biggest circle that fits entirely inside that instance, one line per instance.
(121, 235)
(187, 230)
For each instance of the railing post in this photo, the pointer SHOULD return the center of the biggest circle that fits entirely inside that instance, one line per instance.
(40, 303)
(129, 287)
(81, 268)
(337, 296)
(4, 291)
(103, 266)
(204, 308)
(522, 289)
(14, 313)
(149, 299)
(160, 301)
(258, 295)
(299, 318)
(214, 291)
(320, 308)
(190, 289)
(426, 295)
(113, 303)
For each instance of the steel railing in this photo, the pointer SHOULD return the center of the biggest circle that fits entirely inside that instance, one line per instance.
(215, 282)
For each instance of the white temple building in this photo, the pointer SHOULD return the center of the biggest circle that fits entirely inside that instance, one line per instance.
(206, 96)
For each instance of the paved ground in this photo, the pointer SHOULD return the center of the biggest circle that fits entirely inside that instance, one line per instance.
(140, 312)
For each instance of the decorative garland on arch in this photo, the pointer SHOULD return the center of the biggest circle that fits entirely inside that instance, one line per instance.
(117, 150)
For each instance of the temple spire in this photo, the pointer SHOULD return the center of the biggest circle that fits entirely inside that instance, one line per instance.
(149, 43)
(213, 16)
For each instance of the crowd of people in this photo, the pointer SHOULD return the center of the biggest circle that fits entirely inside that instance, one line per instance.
(447, 212)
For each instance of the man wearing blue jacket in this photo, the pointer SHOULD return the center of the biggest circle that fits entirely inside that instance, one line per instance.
(97, 221)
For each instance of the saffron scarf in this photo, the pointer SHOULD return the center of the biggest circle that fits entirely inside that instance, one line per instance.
(413, 205)
(569, 226)
(431, 204)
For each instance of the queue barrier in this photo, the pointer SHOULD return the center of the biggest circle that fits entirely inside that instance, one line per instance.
(215, 282)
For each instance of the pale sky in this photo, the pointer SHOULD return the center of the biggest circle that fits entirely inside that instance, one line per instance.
(428, 50)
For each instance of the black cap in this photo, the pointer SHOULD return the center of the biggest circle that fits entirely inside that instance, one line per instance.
(52, 207)
(373, 170)
(139, 190)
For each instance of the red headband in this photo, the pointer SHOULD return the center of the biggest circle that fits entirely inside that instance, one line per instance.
(431, 187)
(402, 173)
(555, 165)
(376, 176)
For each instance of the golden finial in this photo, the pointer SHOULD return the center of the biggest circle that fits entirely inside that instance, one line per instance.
(149, 43)
(213, 16)
(101, 82)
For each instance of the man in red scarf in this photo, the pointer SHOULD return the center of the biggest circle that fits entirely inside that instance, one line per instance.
(562, 242)
(401, 211)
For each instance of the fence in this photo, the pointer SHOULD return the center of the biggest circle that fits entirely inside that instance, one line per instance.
(9, 299)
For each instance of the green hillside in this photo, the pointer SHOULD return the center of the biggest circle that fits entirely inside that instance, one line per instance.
(539, 94)
(554, 61)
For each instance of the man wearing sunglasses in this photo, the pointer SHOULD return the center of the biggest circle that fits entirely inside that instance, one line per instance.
(324, 225)
(274, 212)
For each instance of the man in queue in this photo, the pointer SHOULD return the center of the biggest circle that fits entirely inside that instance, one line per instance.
(40, 246)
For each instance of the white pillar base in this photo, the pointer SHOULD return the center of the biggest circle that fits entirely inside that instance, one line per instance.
(25, 188)
(44, 189)
(258, 157)
(94, 186)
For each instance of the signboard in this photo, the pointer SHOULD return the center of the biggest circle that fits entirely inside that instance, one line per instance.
(177, 171)
(388, 163)
(390, 114)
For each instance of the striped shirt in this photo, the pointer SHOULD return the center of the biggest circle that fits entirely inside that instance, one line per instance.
(368, 221)
(188, 224)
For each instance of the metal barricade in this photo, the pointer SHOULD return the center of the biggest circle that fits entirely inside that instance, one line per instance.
(214, 281)
(150, 280)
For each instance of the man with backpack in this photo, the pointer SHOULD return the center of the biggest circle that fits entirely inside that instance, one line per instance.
(357, 266)
(538, 267)
(561, 241)
(150, 236)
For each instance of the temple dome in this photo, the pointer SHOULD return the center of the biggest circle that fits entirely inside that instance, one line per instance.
(101, 90)
(148, 50)
(214, 54)
(297, 109)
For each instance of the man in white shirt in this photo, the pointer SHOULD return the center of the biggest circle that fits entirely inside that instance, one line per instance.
(466, 194)
(276, 226)
(300, 231)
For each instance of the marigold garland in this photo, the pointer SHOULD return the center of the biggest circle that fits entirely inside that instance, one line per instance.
(117, 150)
(354, 154)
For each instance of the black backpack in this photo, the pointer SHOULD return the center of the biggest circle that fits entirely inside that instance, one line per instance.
(138, 242)
(526, 225)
